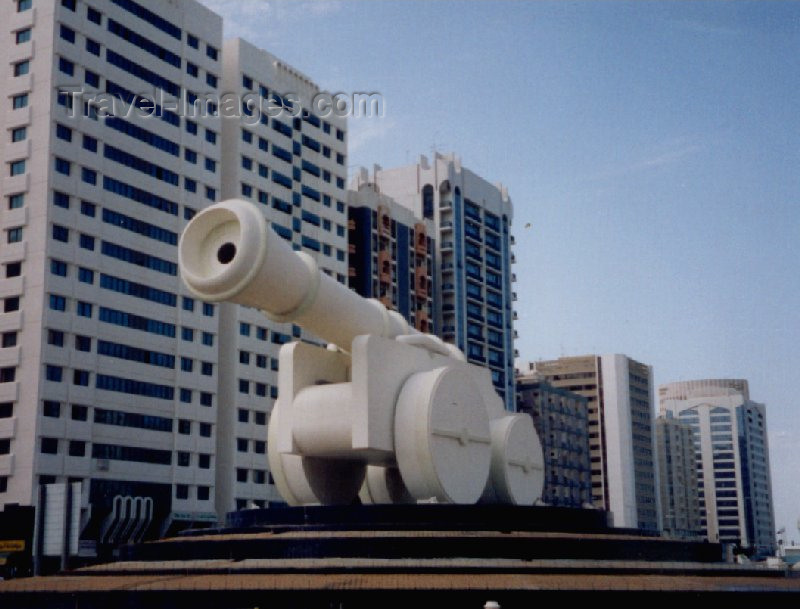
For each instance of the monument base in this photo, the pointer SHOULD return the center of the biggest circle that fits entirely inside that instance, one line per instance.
(424, 555)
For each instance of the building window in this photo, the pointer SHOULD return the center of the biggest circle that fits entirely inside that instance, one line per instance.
(51, 409)
(204, 461)
(55, 338)
(58, 303)
(89, 143)
(24, 5)
(79, 412)
(19, 134)
(19, 101)
(93, 46)
(16, 201)
(183, 459)
(89, 176)
(21, 68)
(9, 339)
(16, 168)
(83, 343)
(94, 15)
(14, 235)
(66, 66)
(49, 446)
(241, 445)
(63, 166)
(181, 491)
(202, 493)
(184, 427)
(11, 304)
(77, 448)
(13, 269)
(208, 309)
(205, 430)
(84, 309)
(80, 378)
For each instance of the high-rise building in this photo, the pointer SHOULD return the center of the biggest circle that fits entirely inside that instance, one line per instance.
(619, 391)
(108, 369)
(281, 155)
(472, 280)
(391, 253)
(561, 422)
(732, 454)
(677, 478)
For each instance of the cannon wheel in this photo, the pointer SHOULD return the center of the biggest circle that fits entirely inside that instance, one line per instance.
(442, 436)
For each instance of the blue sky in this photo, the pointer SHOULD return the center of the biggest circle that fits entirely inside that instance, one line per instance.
(653, 148)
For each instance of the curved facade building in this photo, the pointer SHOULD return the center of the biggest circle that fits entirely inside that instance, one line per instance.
(732, 453)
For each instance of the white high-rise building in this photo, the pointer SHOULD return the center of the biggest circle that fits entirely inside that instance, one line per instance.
(281, 155)
(473, 300)
(732, 454)
(108, 370)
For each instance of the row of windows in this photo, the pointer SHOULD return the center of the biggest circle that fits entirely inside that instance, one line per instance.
(143, 135)
(136, 322)
(150, 17)
(140, 227)
(146, 105)
(143, 43)
(140, 196)
(139, 164)
(138, 290)
(132, 419)
(150, 77)
(134, 387)
(138, 258)
(135, 354)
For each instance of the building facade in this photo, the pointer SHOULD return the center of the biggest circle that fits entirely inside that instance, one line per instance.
(677, 477)
(292, 163)
(561, 422)
(472, 274)
(390, 253)
(619, 393)
(108, 368)
(732, 453)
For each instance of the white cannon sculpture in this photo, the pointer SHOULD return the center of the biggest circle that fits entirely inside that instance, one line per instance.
(385, 414)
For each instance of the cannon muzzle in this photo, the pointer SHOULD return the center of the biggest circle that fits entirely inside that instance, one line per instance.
(228, 252)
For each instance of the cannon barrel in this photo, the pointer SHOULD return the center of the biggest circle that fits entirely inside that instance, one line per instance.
(228, 252)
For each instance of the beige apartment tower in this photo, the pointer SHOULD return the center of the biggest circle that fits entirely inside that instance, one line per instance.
(619, 392)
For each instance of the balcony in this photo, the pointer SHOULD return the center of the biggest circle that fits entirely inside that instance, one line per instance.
(447, 246)
(447, 225)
